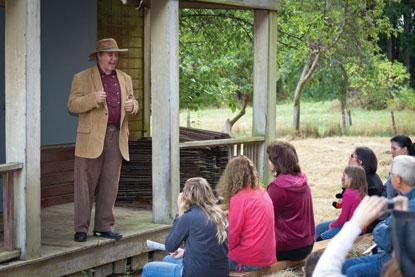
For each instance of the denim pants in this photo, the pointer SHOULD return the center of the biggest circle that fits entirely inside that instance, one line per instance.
(233, 266)
(169, 267)
(365, 266)
(324, 231)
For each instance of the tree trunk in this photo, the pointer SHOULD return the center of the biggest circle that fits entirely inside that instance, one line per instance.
(393, 123)
(188, 122)
(389, 48)
(230, 122)
(308, 69)
(346, 119)
(408, 32)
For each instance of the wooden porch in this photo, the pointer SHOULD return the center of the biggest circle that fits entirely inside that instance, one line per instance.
(43, 237)
(61, 256)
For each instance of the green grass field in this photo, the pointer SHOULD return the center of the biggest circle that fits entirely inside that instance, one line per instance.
(318, 119)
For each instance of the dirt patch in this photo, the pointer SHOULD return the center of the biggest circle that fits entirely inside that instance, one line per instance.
(323, 161)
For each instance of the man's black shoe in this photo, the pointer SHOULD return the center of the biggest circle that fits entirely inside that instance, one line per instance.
(80, 237)
(108, 235)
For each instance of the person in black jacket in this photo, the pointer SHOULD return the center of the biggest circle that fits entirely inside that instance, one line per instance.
(201, 225)
(364, 156)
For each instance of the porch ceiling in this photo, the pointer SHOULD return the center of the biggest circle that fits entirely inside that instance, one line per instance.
(226, 4)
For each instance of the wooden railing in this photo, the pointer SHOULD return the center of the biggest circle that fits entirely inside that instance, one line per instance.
(7, 171)
(236, 146)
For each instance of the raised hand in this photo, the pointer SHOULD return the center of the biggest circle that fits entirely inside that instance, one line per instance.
(100, 96)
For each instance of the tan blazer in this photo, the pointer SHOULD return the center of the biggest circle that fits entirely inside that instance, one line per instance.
(93, 117)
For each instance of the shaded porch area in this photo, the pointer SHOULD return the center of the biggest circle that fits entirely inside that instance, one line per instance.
(61, 256)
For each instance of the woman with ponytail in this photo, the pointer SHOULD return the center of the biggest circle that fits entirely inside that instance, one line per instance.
(201, 225)
(400, 145)
(251, 217)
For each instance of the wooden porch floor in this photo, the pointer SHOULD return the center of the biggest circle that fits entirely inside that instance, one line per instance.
(61, 256)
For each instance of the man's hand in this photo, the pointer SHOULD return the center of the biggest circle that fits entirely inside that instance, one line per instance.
(178, 254)
(100, 96)
(368, 210)
(129, 104)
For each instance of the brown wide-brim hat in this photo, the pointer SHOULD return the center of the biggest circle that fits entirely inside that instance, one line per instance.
(106, 45)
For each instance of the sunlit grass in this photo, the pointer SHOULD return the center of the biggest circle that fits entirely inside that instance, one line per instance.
(318, 119)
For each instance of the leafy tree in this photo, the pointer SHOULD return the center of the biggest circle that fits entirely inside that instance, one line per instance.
(216, 56)
(315, 30)
(401, 44)
(382, 84)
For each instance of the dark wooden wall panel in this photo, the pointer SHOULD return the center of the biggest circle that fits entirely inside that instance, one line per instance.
(57, 165)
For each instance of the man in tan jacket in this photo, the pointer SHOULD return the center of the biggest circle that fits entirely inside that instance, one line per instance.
(101, 96)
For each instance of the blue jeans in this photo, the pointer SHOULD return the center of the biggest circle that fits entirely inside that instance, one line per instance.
(324, 231)
(169, 267)
(366, 265)
(233, 266)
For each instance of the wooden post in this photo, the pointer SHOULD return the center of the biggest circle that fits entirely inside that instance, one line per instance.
(165, 107)
(147, 68)
(265, 71)
(8, 212)
(22, 82)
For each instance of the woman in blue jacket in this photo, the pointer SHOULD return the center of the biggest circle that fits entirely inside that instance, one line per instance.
(200, 224)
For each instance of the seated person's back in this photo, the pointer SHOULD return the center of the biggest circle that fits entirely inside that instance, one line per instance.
(251, 238)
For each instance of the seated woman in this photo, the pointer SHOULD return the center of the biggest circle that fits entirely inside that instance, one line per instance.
(251, 237)
(293, 205)
(200, 224)
(364, 157)
(400, 145)
(354, 182)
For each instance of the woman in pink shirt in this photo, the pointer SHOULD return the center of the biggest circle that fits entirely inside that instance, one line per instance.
(355, 184)
(293, 205)
(251, 236)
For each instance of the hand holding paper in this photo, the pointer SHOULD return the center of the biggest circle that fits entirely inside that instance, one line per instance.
(155, 245)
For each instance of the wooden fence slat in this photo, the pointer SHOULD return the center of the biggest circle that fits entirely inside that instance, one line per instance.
(8, 203)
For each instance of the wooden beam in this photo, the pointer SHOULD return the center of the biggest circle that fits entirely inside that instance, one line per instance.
(22, 84)
(147, 70)
(10, 167)
(247, 4)
(200, 5)
(225, 4)
(8, 211)
(265, 71)
(165, 108)
(219, 142)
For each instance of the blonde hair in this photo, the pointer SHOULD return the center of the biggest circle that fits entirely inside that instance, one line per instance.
(240, 172)
(197, 191)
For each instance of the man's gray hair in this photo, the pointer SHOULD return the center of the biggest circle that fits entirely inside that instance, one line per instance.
(404, 166)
